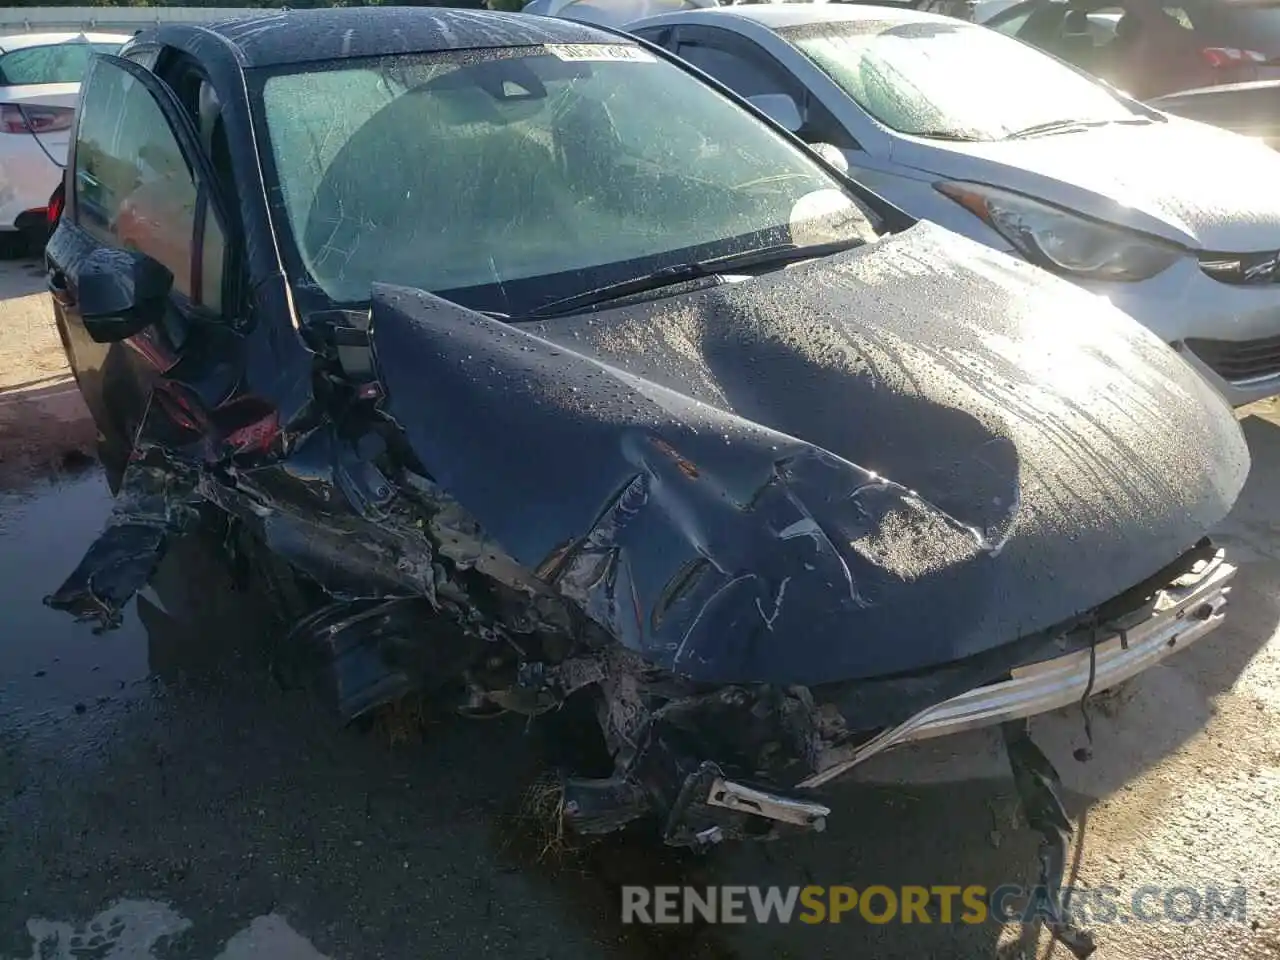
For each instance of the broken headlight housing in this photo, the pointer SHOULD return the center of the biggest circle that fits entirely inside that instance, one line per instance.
(1061, 241)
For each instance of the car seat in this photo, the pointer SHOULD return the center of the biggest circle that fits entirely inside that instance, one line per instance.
(1075, 44)
(430, 167)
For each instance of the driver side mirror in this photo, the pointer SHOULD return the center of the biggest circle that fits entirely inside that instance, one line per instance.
(121, 292)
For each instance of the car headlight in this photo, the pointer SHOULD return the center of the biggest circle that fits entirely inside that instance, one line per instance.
(1062, 241)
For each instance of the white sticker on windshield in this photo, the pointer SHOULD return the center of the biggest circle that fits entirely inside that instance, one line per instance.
(600, 51)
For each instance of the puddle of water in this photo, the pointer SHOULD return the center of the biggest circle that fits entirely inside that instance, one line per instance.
(129, 928)
(269, 938)
(49, 664)
(135, 929)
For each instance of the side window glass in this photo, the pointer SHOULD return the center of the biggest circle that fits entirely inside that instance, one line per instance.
(736, 72)
(658, 35)
(1012, 26)
(1079, 36)
(210, 269)
(134, 189)
(1043, 26)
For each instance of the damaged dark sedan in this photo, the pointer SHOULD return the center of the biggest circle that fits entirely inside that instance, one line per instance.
(532, 370)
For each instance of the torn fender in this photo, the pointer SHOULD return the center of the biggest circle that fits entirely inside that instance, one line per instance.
(736, 485)
(157, 502)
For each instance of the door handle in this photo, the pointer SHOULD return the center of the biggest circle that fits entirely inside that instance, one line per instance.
(59, 288)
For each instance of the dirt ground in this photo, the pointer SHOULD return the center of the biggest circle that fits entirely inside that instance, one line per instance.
(167, 792)
(43, 422)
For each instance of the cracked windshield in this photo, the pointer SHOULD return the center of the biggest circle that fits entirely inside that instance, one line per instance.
(551, 160)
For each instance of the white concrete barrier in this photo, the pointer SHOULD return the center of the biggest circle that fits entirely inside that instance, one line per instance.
(110, 19)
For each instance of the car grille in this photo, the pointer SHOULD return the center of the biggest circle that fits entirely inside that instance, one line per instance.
(1239, 360)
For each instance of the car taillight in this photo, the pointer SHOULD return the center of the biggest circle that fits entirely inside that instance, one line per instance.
(1231, 56)
(54, 210)
(29, 118)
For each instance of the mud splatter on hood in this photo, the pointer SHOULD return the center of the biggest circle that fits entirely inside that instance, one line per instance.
(873, 463)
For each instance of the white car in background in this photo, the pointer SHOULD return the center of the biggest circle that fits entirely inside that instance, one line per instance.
(1175, 222)
(39, 86)
(609, 13)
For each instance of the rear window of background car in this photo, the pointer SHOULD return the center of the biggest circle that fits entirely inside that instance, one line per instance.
(51, 63)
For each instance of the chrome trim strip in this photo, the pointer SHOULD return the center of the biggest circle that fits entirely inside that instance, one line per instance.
(1251, 381)
(1183, 615)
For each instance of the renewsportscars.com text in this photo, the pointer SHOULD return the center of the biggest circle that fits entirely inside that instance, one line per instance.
(970, 904)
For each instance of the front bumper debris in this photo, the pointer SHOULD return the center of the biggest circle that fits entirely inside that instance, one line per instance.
(741, 760)
(1039, 788)
(762, 803)
(1182, 615)
(701, 806)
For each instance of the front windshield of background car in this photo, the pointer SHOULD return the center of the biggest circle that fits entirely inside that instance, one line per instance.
(507, 178)
(621, 12)
(952, 80)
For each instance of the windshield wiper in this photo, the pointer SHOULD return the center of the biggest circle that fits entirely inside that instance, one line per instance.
(943, 135)
(781, 253)
(1071, 126)
(1052, 126)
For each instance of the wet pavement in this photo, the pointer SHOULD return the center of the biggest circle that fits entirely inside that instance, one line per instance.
(172, 790)
(57, 667)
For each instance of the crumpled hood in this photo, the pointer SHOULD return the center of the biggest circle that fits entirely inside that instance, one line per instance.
(1193, 184)
(872, 463)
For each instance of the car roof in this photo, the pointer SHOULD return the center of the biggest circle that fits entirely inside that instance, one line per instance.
(300, 36)
(16, 41)
(780, 15)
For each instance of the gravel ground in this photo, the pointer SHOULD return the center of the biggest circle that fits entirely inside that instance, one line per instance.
(164, 794)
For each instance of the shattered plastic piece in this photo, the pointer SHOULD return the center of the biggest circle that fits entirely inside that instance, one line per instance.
(593, 807)
(119, 563)
(1038, 788)
(351, 634)
(152, 508)
(683, 823)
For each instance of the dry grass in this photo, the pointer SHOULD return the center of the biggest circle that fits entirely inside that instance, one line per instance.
(540, 816)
